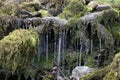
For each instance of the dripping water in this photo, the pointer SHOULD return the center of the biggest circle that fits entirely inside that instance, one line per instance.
(100, 43)
(63, 49)
(59, 54)
(91, 46)
(46, 47)
(81, 46)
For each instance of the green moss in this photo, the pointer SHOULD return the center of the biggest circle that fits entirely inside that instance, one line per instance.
(30, 6)
(6, 9)
(44, 13)
(17, 49)
(96, 75)
(75, 7)
(111, 72)
(109, 16)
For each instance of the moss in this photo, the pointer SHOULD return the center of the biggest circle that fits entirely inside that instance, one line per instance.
(75, 7)
(111, 72)
(44, 13)
(6, 25)
(6, 9)
(109, 16)
(96, 75)
(30, 6)
(17, 49)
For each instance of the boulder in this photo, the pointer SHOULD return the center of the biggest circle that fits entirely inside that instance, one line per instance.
(93, 4)
(80, 71)
(103, 7)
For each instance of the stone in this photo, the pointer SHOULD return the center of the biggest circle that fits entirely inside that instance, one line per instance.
(80, 71)
(103, 7)
(93, 4)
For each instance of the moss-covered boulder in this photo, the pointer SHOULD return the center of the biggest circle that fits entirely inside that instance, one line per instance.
(17, 50)
(111, 72)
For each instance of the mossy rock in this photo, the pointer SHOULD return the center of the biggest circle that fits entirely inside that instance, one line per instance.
(18, 49)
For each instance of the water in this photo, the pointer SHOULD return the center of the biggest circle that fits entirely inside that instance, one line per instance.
(100, 44)
(46, 47)
(63, 49)
(80, 60)
(55, 51)
(59, 54)
(91, 46)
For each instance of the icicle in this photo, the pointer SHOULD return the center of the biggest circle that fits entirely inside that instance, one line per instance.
(59, 52)
(46, 47)
(100, 44)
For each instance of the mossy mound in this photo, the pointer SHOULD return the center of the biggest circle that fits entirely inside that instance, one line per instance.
(74, 8)
(111, 72)
(17, 50)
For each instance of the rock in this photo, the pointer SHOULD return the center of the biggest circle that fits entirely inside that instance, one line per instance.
(93, 4)
(103, 7)
(55, 68)
(80, 71)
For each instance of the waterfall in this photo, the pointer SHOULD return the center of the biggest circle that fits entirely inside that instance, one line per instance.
(59, 54)
(100, 44)
(46, 47)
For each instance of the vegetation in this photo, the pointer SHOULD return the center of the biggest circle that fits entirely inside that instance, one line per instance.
(18, 49)
(111, 72)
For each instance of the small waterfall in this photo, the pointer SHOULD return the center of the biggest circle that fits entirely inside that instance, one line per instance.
(46, 47)
(100, 44)
(59, 54)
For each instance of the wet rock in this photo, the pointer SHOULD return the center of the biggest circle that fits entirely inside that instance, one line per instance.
(103, 7)
(80, 71)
